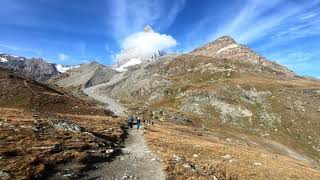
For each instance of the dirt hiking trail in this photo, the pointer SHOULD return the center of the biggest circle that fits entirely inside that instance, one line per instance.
(135, 161)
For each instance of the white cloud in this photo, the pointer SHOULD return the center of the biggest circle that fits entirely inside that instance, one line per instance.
(308, 16)
(254, 20)
(149, 41)
(143, 45)
(126, 16)
(63, 57)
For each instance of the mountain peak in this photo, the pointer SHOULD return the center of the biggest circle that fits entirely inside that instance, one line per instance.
(147, 28)
(225, 38)
(223, 45)
(226, 47)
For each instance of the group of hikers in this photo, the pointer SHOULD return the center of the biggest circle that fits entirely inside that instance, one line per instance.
(137, 121)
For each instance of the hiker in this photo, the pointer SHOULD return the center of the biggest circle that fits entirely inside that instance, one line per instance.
(130, 121)
(138, 123)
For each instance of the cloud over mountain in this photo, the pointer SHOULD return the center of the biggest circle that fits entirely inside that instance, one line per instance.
(142, 46)
(146, 43)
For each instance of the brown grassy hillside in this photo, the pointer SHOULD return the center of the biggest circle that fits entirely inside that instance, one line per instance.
(194, 153)
(42, 128)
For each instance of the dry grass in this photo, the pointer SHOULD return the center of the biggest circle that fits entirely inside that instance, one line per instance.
(246, 161)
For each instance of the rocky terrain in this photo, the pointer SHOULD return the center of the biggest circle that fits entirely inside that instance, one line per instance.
(34, 68)
(46, 132)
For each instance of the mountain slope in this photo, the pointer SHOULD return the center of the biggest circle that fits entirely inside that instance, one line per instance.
(84, 76)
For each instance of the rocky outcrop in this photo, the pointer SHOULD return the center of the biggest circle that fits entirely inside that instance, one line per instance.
(64, 125)
(34, 68)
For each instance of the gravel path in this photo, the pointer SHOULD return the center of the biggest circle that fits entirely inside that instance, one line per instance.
(135, 162)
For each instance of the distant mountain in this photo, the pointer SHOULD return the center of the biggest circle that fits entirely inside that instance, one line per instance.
(84, 75)
(34, 68)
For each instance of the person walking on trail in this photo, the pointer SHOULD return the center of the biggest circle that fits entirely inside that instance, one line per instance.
(130, 121)
(138, 122)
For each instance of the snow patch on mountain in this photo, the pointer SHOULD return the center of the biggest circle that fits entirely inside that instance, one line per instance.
(62, 68)
(231, 46)
(131, 62)
(3, 60)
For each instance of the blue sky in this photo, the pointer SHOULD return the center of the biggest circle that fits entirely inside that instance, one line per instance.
(76, 31)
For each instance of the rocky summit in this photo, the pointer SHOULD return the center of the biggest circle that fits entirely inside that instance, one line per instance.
(227, 48)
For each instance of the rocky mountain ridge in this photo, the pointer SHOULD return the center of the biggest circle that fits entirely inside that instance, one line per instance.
(34, 68)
